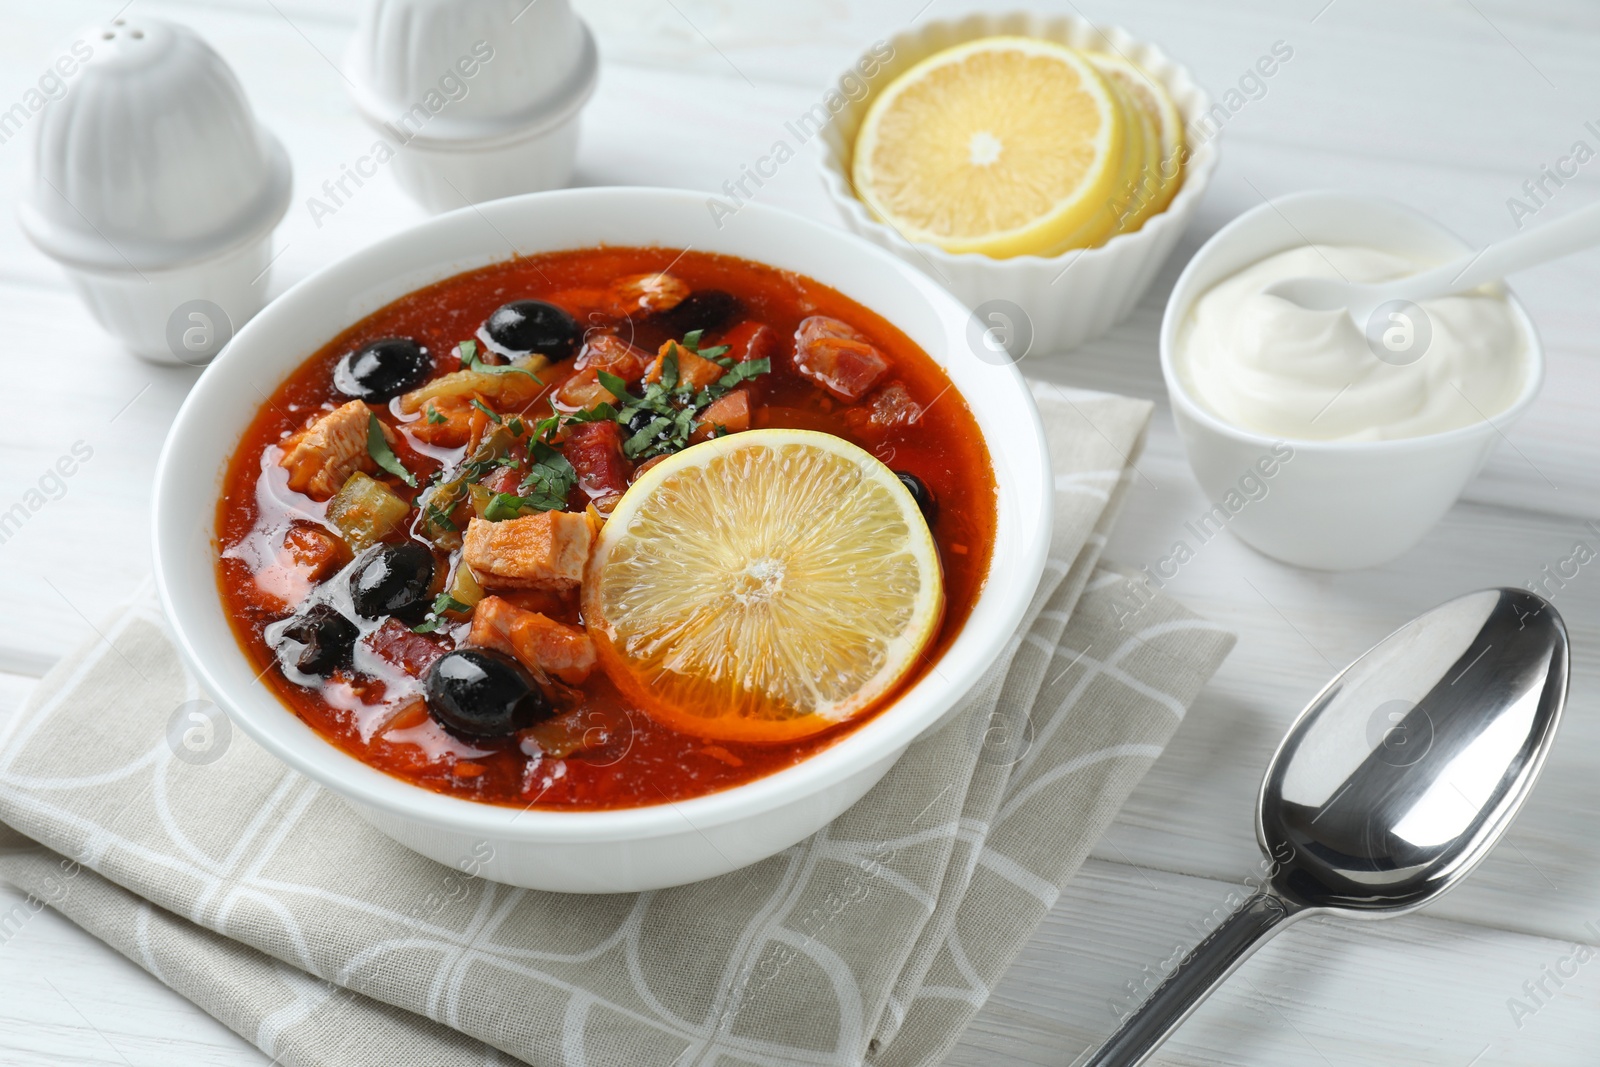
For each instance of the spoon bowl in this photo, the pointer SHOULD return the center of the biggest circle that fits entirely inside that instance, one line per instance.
(1559, 237)
(1402, 773)
(1393, 783)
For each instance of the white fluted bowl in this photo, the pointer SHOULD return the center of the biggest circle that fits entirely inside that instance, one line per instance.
(1067, 299)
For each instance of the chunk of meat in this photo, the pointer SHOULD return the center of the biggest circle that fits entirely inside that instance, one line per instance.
(836, 356)
(396, 644)
(646, 465)
(537, 640)
(595, 451)
(546, 550)
(751, 340)
(582, 391)
(697, 372)
(334, 446)
(446, 422)
(315, 552)
(731, 412)
(611, 353)
(888, 409)
(646, 292)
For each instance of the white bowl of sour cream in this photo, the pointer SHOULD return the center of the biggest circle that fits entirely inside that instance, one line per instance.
(1370, 434)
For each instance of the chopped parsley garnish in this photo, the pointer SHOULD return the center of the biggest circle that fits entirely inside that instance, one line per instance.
(378, 448)
(442, 603)
(494, 416)
(549, 479)
(742, 372)
(434, 417)
(662, 419)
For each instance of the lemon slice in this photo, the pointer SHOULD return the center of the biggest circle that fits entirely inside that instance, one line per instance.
(1143, 142)
(1005, 146)
(1163, 130)
(763, 586)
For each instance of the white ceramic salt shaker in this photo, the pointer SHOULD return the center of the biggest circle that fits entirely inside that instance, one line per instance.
(156, 188)
(472, 99)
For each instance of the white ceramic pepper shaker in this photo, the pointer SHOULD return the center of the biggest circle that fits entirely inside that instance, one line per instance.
(473, 99)
(156, 188)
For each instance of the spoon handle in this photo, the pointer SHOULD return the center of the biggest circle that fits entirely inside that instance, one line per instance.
(1212, 960)
(1570, 233)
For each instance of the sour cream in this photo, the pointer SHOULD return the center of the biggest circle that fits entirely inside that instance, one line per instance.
(1265, 364)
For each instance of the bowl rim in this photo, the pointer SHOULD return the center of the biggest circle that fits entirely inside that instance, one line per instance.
(1189, 97)
(1179, 302)
(878, 741)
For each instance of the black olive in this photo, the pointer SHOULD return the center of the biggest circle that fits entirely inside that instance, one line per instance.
(393, 580)
(380, 371)
(921, 494)
(326, 640)
(640, 419)
(704, 309)
(477, 694)
(525, 326)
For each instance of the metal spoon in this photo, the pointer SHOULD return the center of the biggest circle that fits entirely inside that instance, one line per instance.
(1573, 231)
(1392, 784)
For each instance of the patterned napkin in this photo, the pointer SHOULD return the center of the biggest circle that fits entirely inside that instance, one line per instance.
(266, 901)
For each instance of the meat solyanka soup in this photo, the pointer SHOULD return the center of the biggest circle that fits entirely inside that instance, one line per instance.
(604, 528)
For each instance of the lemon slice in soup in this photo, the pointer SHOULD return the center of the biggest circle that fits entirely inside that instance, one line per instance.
(763, 586)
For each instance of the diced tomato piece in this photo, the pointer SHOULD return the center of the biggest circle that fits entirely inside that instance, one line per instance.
(694, 371)
(503, 480)
(611, 353)
(595, 451)
(751, 340)
(731, 412)
(396, 645)
(538, 641)
(837, 357)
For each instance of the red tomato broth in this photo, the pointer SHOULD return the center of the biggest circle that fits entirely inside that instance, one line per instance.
(640, 762)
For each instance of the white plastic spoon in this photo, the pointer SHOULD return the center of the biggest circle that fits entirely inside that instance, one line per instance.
(1556, 238)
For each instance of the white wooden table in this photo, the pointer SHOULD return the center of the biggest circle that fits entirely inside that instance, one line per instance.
(1449, 105)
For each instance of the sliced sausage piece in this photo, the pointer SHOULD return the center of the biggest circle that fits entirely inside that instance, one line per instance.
(837, 357)
(546, 550)
(538, 641)
(751, 340)
(887, 409)
(595, 451)
(320, 457)
(396, 644)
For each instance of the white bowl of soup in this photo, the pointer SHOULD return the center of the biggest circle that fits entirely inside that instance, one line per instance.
(317, 598)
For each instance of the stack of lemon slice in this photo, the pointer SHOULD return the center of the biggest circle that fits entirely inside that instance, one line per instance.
(1011, 146)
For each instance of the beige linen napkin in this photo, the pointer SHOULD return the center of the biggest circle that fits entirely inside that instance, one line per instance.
(266, 901)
